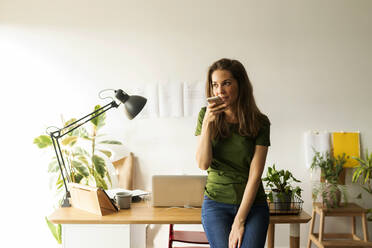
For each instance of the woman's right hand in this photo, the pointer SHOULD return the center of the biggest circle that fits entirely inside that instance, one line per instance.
(212, 111)
(204, 147)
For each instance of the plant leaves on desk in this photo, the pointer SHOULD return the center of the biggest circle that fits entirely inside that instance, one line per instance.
(98, 121)
(110, 142)
(43, 141)
(99, 165)
(53, 166)
(100, 183)
(56, 230)
(80, 168)
(70, 140)
(106, 152)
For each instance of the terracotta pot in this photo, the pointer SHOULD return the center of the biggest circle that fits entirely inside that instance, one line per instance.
(331, 195)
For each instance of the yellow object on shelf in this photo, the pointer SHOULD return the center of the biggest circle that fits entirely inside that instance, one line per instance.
(348, 143)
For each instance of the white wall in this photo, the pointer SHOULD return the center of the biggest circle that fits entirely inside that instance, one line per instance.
(310, 63)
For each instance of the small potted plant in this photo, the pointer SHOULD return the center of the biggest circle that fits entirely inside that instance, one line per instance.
(282, 191)
(363, 175)
(330, 190)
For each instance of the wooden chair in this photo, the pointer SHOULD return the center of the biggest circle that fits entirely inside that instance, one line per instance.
(190, 237)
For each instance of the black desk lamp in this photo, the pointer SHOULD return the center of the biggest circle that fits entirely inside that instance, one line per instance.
(133, 105)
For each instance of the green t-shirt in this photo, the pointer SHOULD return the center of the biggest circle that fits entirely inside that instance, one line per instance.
(231, 160)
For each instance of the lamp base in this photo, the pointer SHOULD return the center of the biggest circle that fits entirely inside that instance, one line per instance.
(66, 203)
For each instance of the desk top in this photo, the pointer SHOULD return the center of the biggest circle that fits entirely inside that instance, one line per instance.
(140, 213)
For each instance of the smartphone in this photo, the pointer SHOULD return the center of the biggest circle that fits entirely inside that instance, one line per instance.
(215, 99)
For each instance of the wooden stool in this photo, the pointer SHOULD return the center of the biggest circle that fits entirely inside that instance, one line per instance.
(322, 239)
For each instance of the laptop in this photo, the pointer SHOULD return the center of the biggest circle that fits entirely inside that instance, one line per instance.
(178, 190)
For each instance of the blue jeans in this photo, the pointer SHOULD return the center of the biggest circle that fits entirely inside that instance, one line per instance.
(217, 219)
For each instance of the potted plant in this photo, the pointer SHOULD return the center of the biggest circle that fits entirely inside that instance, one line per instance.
(363, 175)
(282, 191)
(85, 166)
(330, 190)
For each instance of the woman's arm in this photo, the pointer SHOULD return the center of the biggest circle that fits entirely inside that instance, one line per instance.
(254, 180)
(204, 146)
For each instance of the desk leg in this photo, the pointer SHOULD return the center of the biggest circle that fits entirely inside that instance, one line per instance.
(271, 236)
(294, 233)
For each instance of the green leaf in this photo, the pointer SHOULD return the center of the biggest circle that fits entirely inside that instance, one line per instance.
(69, 122)
(270, 195)
(78, 178)
(357, 174)
(98, 121)
(59, 233)
(111, 142)
(56, 230)
(109, 178)
(69, 128)
(70, 140)
(59, 182)
(100, 183)
(81, 132)
(80, 151)
(83, 159)
(269, 170)
(53, 166)
(366, 177)
(106, 152)
(99, 165)
(43, 141)
(80, 168)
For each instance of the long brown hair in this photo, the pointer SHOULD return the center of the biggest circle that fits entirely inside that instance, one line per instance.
(249, 116)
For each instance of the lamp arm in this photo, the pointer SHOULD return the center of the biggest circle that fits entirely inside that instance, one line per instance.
(59, 156)
(112, 104)
(61, 164)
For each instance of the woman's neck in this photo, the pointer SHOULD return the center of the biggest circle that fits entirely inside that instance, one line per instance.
(230, 116)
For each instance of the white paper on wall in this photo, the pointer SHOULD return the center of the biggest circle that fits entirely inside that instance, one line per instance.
(170, 99)
(151, 109)
(318, 141)
(193, 98)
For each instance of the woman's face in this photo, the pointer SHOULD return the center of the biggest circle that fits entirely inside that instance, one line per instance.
(225, 86)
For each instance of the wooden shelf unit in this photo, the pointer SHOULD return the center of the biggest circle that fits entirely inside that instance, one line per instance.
(323, 240)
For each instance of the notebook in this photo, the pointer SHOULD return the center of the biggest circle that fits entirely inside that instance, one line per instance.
(178, 190)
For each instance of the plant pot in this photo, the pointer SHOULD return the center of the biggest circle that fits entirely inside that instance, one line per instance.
(331, 196)
(282, 200)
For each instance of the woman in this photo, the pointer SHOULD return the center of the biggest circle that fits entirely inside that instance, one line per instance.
(232, 146)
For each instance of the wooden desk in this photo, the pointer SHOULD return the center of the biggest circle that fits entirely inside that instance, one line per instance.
(139, 213)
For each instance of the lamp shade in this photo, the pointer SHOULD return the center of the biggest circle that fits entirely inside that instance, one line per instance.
(133, 104)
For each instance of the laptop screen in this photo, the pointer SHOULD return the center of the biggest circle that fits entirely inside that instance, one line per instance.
(178, 190)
